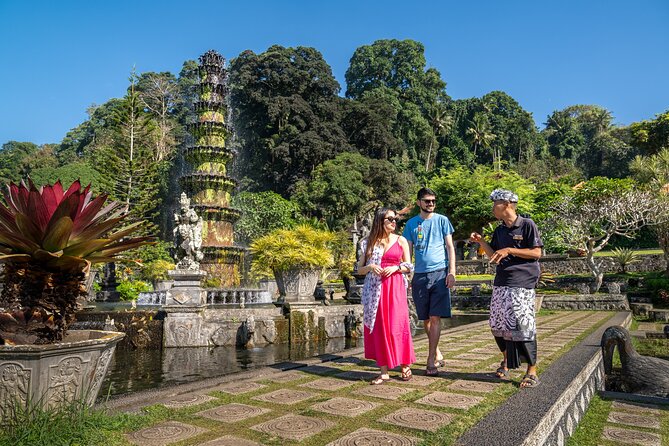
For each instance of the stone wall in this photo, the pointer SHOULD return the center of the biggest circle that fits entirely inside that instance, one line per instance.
(563, 264)
(198, 327)
(601, 302)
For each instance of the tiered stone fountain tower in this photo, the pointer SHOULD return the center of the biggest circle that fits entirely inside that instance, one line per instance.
(207, 183)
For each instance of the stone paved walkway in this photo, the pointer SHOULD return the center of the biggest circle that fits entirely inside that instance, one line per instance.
(332, 403)
(633, 423)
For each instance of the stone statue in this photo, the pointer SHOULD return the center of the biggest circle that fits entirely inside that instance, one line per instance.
(643, 375)
(187, 236)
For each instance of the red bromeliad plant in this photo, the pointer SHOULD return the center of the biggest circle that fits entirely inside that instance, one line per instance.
(48, 240)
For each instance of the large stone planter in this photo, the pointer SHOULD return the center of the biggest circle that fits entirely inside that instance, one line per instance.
(297, 285)
(55, 374)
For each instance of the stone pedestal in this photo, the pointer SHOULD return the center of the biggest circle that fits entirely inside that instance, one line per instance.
(183, 326)
(186, 290)
(297, 285)
(108, 292)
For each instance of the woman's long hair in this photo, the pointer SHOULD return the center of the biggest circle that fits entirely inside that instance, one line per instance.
(377, 232)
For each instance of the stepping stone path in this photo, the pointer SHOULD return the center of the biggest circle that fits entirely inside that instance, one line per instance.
(229, 440)
(372, 437)
(231, 413)
(164, 433)
(346, 407)
(413, 418)
(294, 427)
(634, 424)
(189, 399)
(332, 403)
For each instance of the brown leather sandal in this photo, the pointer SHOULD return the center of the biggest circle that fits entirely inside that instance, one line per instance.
(406, 374)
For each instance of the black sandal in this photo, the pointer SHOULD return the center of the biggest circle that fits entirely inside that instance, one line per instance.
(529, 381)
(501, 371)
(431, 371)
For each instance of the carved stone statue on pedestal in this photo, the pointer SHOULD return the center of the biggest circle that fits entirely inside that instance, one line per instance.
(187, 236)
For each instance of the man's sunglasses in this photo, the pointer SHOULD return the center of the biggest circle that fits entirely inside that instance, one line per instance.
(428, 201)
(392, 219)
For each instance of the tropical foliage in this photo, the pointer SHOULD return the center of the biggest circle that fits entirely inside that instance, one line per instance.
(49, 237)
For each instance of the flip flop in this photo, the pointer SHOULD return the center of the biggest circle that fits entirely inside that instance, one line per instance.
(406, 374)
(431, 371)
(379, 380)
(440, 363)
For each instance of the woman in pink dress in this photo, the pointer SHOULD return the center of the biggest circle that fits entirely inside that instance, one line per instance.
(385, 259)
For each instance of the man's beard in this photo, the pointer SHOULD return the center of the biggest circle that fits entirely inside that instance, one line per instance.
(426, 210)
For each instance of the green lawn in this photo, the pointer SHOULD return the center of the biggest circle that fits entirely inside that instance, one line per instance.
(640, 252)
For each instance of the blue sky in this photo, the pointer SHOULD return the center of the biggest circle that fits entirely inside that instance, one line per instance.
(59, 57)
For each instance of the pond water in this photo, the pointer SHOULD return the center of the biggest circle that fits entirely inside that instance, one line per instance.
(135, 370)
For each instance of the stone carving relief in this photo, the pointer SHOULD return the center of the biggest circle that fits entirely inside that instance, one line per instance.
(100, 371)
(14, 386)
(65, 380)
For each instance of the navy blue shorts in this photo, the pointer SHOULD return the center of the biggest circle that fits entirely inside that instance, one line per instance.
(431, 295)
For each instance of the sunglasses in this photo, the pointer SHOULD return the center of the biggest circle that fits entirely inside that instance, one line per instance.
(428, 201)
(392, 219)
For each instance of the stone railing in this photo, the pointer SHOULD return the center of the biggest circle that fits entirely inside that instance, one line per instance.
(563, 264)
(152, 298)
(238, 296)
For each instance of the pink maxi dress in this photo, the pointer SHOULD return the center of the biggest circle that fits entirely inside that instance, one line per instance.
(390, 342)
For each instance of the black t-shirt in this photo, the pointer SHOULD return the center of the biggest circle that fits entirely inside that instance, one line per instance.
(515, 271)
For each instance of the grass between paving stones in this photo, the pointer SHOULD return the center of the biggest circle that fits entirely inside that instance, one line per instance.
(591, 426)
(590, 429)
(96, 427)
(74, 424)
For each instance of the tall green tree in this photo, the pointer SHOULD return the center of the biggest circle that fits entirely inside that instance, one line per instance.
(15, 160)
(286, 113)
(395, 72)
(463, 195)
(127, 157)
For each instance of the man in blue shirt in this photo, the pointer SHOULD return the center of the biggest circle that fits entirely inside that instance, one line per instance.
(430, 238)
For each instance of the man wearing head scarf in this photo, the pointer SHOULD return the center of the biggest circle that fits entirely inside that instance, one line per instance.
(516, 248)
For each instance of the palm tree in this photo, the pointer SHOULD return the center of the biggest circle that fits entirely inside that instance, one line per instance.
(479, 133)
(441, 122)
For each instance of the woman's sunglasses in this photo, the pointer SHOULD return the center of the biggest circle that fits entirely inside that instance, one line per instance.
(392, 219)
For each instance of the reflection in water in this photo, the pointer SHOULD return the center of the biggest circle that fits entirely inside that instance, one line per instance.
(134, 370)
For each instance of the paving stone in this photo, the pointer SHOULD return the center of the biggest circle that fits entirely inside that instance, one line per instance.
(421, 419)
(417, 380)
(457, 364)
(346, 407)
(283, 377)
(320, 370)
(374, 437)
(231, 413)
(236, 388)
(636, 407)
(629, 436)
(474, 356)
(285, 396)
(472, 386)
(348, 360)
(229, 440)
(357, 375)
(164, 433)
(637, 420)
(186, 400)
(328, 384)
(454, 400)
(384, 391)
(294, 427)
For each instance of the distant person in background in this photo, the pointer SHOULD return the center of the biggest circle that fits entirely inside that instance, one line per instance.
(384, 259)
(516, 248)
(430, 238)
